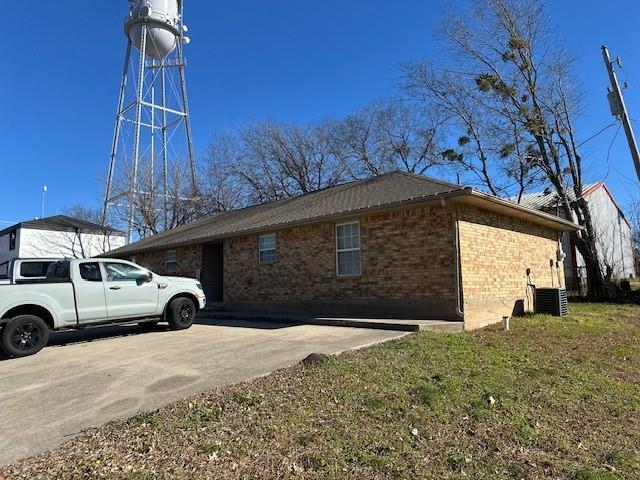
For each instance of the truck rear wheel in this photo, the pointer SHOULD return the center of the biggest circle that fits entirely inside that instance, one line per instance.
(182, 313)
(24, 335)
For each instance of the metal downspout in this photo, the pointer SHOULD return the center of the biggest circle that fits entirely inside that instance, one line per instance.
(456, 235)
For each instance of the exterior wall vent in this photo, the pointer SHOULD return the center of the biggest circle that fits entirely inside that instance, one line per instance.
(551, 301)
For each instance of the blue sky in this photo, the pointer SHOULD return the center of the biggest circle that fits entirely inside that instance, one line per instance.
(291, 60)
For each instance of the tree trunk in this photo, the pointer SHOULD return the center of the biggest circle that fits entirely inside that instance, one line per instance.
(586, 244)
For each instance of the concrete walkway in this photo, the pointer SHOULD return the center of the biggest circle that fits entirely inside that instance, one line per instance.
(87, 378)
(405, 325)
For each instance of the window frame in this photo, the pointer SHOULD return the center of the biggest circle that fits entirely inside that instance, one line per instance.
(275, 248)
(174, 261)
(23, 274)
(13, 239)
(341, 250)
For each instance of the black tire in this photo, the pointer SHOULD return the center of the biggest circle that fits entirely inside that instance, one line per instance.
(182, 313)
(148, 325)
(24, 335)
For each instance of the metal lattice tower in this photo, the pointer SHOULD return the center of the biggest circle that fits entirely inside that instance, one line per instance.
(152, 125)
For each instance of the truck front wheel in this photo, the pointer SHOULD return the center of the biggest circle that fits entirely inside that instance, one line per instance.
(182, 313)
(24, 335)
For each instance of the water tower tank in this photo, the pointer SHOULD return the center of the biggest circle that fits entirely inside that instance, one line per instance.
(162, 18)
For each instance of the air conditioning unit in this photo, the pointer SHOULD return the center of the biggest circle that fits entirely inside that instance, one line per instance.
(552, 301)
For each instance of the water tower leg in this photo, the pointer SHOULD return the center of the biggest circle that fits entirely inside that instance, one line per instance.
(165, 162)
(133, 189)
(187, 121)
(116, 135)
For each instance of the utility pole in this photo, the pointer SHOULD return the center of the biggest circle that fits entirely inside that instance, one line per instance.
(44, 192)
(619, 109)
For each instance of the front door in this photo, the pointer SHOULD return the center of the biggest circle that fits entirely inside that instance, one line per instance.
(211, 275)
(126, 295)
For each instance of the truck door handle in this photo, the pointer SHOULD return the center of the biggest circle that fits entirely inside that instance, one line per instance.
(116, 287)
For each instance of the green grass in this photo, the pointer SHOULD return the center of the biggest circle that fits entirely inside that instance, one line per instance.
(566, 404)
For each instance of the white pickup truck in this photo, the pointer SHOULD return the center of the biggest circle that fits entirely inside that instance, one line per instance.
(83, 293)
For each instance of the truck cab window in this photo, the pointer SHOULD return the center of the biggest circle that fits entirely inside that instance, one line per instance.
(119, 272)
(90, 272)
(34, 269)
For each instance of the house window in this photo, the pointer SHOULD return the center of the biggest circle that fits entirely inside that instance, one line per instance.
(12, 240)
(267, 248)
(171, 261)
(348, 249)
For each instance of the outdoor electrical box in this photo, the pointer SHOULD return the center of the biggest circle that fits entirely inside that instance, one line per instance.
(552, 301)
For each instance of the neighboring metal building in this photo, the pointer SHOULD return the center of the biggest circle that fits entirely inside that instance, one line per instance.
(614, 234)
(56, 237)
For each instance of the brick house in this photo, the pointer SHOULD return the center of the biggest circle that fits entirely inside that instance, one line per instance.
(398, 245)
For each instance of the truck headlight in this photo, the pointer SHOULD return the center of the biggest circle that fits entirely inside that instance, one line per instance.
(199, 286)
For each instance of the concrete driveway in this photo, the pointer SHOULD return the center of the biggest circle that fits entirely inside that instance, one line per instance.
(86, 378)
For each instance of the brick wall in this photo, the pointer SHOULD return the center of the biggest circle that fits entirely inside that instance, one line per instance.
(406, 259)
(408, 269)
(189, 261)
(495, 252)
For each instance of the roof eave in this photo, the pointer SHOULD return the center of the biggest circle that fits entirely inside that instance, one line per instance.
(489, 202)
(464, 195)
(425, 200)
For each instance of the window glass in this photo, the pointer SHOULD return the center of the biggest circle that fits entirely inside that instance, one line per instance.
(90, 272)
(171, 261)
(120, 272)
(34, 269)
(267, 247)
(348, 249)
(348, 236)
(58, 271)
(4, 270)
(12, 240)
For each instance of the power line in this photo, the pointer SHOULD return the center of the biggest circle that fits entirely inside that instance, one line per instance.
(596, 134)
(609, 152)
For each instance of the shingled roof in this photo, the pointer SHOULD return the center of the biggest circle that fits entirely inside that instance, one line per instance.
(377, 193)
(62, 223)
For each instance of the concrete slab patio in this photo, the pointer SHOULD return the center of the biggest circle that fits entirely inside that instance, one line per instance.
(405, 325)
(87, 378)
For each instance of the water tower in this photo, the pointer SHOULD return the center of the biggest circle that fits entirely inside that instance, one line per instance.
(152, 166)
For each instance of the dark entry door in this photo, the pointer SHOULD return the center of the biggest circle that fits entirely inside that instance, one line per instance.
(211, 274)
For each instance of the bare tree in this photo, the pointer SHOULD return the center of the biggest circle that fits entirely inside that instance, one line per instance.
(506, 70)
(269, 161)
(153, 210)
(385, 136)
(82, 212)
(634, 219)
